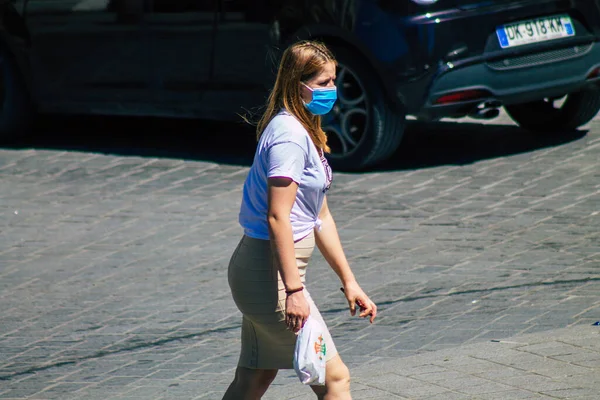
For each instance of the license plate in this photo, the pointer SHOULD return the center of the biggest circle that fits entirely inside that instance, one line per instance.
(535, 30)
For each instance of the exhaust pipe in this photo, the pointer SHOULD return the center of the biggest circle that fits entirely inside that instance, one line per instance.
(486, 111)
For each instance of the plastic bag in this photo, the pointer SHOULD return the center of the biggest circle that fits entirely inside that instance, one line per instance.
(309, 354)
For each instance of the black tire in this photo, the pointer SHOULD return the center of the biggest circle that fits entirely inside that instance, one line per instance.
(376, 135)
(543, 116)
(16, 108)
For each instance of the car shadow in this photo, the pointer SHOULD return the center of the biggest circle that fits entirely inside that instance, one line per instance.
(189, 139)
(424, 145)
(433, 144)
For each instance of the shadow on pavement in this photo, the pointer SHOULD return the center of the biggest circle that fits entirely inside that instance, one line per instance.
(201, 140)
(458, 143)
(424, 144)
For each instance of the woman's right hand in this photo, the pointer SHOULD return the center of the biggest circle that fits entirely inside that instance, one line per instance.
(297, 311)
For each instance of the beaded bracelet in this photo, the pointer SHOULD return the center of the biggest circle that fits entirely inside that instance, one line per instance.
(301, 288)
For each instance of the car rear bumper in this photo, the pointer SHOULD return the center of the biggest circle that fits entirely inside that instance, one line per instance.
(458, 89)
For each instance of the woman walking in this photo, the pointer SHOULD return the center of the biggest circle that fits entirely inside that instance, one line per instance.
(284, 213)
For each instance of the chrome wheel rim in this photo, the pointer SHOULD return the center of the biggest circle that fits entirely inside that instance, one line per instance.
(346, 124)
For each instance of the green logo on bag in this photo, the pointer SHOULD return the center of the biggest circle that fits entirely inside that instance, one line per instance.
(320, 347)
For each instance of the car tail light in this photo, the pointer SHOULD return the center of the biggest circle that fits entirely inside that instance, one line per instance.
(594, 74)
(463, 95)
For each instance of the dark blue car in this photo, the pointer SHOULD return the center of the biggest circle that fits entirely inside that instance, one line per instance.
(540, 59)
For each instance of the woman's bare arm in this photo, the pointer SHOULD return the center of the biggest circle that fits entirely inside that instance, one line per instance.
(281, 197)
(328, 242)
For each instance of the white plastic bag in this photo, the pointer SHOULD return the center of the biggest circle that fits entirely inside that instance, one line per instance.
(309, 354)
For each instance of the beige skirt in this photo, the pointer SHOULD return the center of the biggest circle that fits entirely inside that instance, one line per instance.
(259, 294)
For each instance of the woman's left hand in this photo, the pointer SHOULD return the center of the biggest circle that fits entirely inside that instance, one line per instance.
(357, 297)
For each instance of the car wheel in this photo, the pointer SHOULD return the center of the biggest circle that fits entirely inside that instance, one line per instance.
(16, 110)
(551, 115)
(362, 129)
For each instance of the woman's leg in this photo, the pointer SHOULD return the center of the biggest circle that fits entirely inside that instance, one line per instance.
(250, 384)
(337, 381)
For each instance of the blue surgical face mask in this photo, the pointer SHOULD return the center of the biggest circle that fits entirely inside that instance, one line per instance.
(322, 101)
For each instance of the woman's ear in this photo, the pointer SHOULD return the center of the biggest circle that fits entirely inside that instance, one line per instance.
(305, 93)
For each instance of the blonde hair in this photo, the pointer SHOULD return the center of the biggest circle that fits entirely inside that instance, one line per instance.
(300, 62)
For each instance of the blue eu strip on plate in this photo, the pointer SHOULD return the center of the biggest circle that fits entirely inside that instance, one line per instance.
(503, 39)
(569, 29)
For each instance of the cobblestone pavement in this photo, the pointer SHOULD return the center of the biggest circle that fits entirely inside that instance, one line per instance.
(113, 252)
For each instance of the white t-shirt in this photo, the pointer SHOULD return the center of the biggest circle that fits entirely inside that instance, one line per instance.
(285, 149)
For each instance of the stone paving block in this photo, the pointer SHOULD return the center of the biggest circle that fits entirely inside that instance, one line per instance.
(63, 390)
(404, 386)
(537, 383)
(553, 369)
(572, 393)
(453, 396)
(441, 375)
(588, 363)
(587, 380)
(485, 389)
(463, 384)
(16, 394)
(499, 374)
(513, 395)
(419, 371)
